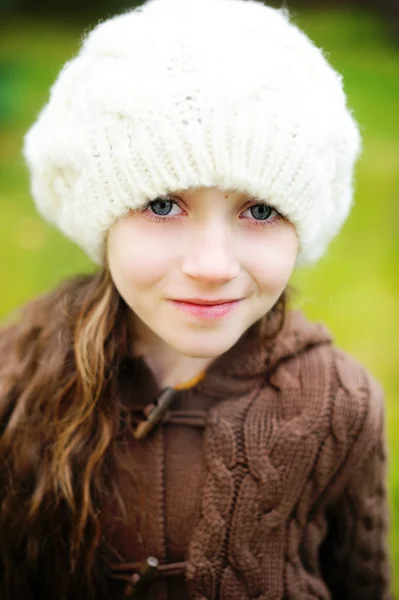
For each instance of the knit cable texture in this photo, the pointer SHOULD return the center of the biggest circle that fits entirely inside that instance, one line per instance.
(181, 94)
(294, 505)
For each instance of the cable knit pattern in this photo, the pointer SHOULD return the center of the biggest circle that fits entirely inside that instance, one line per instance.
(356, 562)
(295, 504)
(224, 455)
(282, 495)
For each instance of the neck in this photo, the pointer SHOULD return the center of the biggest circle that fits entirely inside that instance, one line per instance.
(174, 371)
(170, 367)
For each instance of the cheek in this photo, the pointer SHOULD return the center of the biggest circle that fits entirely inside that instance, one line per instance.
(273, 263)
(274, 276)
(135, 259)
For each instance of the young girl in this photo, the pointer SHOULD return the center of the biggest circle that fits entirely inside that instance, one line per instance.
(169, 429)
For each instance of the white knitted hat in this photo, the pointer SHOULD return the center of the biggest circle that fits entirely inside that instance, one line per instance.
(191, 93)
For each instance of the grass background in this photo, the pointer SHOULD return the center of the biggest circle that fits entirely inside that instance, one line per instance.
(354, 289)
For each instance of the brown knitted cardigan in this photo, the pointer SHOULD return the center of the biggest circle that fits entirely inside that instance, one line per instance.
(279, 495)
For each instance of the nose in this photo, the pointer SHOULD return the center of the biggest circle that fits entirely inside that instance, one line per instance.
(210, 256)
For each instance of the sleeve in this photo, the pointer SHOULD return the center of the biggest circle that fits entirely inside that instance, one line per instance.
(355, 554)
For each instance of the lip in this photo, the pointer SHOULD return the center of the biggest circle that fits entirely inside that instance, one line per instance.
(205, 302)
(206, 311)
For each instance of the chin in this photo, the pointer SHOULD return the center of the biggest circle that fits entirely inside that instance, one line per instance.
(204, 345)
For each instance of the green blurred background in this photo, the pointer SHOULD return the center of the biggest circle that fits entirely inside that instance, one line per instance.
(354, 290)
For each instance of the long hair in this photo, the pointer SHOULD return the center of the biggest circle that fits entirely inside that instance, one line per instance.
(60, 422)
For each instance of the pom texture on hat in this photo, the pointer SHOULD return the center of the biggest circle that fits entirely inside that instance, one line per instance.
(194, 93)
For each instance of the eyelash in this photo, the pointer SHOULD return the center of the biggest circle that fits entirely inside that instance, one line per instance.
(159, 219)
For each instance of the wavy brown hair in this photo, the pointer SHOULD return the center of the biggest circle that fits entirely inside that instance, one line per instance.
(61, 421)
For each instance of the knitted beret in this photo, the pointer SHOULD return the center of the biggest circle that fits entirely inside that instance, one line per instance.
(180, 94)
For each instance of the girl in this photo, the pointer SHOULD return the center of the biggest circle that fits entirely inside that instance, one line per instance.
(168, 428)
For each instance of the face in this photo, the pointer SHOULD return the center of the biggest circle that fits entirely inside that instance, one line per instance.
(205, 244)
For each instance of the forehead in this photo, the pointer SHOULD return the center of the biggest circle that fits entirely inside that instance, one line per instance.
(212, 192)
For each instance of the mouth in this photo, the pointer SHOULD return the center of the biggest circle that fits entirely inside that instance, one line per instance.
(205, 302)
(206, 309)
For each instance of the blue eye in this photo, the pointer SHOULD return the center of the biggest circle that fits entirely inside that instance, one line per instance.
(161, 206)
(261, 211)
